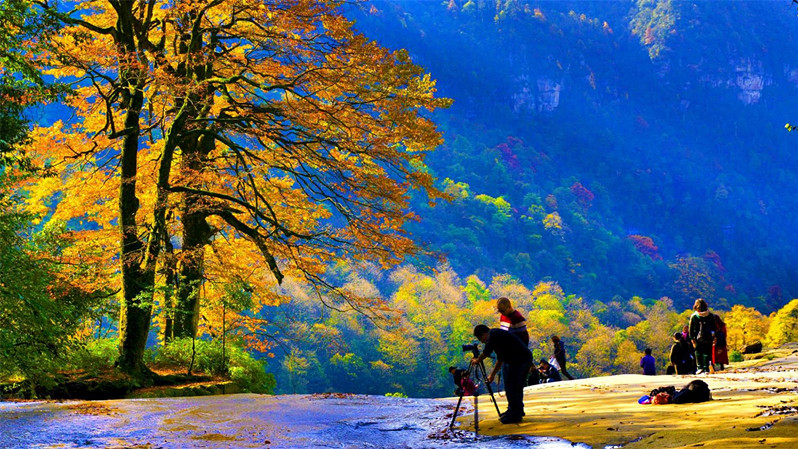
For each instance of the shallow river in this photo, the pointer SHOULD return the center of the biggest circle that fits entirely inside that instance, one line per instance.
(246, 421)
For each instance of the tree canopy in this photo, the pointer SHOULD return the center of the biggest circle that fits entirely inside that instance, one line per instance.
(211, 138)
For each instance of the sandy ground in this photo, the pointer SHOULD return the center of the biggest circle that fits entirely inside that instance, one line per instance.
(754, 405)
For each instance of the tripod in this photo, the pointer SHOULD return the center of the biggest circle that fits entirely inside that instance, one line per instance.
(477, 370)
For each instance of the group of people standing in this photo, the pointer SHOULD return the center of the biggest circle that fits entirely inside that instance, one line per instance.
(701, 346)
(510, 342)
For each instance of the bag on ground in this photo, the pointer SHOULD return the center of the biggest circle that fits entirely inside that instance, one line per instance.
(695, 391)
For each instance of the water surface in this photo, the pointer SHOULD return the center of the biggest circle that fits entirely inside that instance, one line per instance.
(247, 421)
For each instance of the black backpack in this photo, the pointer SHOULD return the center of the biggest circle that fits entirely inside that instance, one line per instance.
(706, 328)
(670, 389)
(695, 391)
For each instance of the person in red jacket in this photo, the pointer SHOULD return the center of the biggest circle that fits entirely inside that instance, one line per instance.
(511, 320)
(720, 354)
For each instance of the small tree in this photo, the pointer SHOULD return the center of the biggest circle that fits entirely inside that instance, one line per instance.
(784, 325)
(745, 325)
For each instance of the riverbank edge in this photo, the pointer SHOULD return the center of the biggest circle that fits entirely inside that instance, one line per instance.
(108, 384)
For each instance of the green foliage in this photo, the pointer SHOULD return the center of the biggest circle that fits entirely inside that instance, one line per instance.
(39, 312)
(246, 371)
(653, 22)
(249, 373)
(735, 356)
(500, 208)
(396, 395)
(95, 355)
(475, 290)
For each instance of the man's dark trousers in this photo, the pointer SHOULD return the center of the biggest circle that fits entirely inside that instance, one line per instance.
(514, 383)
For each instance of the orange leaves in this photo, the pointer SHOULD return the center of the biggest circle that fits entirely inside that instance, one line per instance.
(293, 139)
(646, 246)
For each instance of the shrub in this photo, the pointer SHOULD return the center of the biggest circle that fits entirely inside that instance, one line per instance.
(396, 395)
(249, 373)
(207, 355)
(735, 356)
(95, 355)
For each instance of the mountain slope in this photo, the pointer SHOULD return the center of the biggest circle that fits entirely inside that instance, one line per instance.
(619, 148)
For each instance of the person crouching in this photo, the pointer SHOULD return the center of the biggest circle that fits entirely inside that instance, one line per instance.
(548, 373)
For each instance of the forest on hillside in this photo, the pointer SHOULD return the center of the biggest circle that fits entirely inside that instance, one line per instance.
(619, 148)
(309, 196)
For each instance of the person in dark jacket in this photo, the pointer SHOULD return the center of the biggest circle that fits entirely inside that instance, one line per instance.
(648, 363)
(559, 355)
(548, 373)
(682, 355)
(702, 333)
(457, 377)
(510, 350)
(533, 377)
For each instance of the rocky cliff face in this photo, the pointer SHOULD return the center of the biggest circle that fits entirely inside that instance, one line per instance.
(791, 74)
(548, 94)
(746, 75)
(750, 78)
(542, 95)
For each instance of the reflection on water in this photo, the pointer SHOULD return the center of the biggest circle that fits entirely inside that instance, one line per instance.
(247, 421)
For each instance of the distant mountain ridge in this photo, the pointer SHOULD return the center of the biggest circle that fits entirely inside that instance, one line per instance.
(619, 148)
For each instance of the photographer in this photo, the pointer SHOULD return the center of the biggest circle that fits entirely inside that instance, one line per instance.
(510, 350)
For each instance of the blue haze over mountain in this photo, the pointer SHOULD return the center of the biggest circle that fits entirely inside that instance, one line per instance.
(642, 118)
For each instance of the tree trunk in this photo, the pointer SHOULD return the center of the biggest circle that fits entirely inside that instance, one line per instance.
(195, 231)
(170, 273)
(138, 275)
(136, 310)
(196, 235)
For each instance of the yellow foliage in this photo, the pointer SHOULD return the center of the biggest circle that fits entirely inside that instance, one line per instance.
(310, 163)
(783, 325)
(744, 325)
(553, 223)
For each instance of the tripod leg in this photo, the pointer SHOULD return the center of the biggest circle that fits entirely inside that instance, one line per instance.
(468, 373)
(456, 409)
(490, 390)
(476, 413)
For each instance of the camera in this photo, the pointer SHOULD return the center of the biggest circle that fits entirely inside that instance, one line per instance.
(473, 348)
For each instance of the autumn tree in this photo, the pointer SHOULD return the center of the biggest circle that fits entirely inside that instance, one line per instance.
(546, 316)
(21, 84)
(433, 324)
(263, 132)
(695, 280)
(744, 325)
(784, 325)
(595, 355)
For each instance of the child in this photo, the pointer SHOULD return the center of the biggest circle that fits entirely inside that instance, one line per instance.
(511, 320)
(649, 364)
